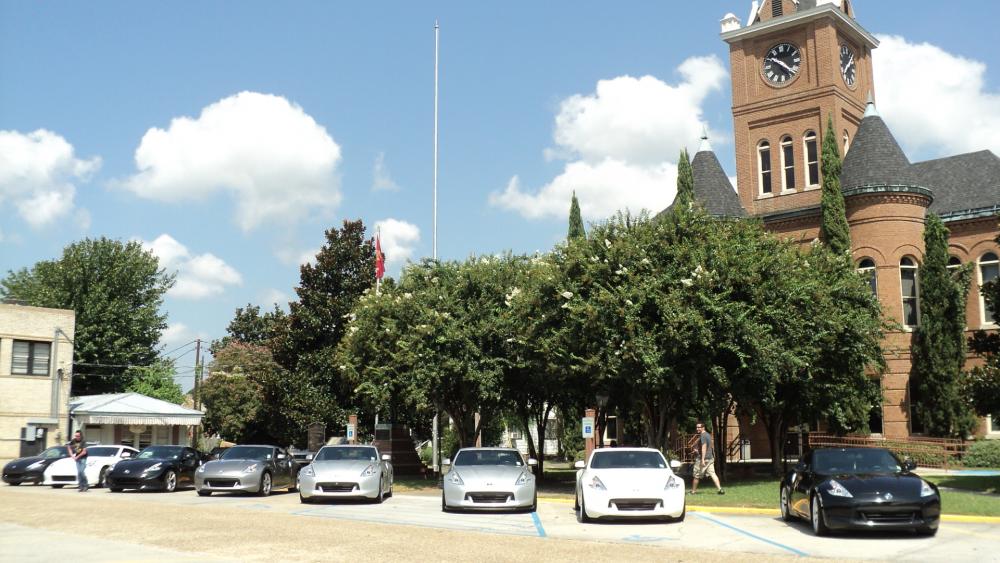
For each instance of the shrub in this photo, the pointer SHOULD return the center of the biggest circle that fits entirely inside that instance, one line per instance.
(983, 453)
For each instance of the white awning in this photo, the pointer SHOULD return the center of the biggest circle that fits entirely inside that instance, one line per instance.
(151, 420)
(131, 408)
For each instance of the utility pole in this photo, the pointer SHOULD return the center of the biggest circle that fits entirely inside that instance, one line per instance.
(196, 396)
(434, 247)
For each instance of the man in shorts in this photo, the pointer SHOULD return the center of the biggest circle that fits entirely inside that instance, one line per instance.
(705, 462)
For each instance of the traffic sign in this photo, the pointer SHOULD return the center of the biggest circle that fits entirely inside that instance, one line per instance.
(588, 426)
(350, 431)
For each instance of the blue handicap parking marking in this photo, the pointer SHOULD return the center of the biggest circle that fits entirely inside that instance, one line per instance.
(639, 538)
(538, 524)
(751, 535)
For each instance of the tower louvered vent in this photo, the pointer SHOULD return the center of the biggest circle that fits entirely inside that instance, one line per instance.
(775, 8)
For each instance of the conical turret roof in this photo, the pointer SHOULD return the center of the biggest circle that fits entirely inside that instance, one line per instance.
(875, 158)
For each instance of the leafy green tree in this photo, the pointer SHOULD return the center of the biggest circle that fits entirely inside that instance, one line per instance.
(116, 289)
(685, 181)
(157, 381)
(249, 326)
(834, 230)
(233, 395)
(981, 386)
(939, 340)
(576, 229)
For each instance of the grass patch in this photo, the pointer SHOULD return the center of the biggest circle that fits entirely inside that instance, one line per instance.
(977, 483)
(746, 493)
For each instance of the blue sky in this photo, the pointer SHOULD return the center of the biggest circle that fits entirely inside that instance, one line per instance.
(228, 135)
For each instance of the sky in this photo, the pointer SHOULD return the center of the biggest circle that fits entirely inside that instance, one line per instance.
(228, 136)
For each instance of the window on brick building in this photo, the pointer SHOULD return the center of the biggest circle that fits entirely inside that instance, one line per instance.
(910, 287)
(787, 164)
(867, 269)
(810, 149)
(954, 262)
(764, 166)
(30, 358)
(875, 419)
(847, 143)
(989, 270)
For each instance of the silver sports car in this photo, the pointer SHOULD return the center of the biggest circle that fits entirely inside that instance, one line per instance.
(247, 469)
(489, 479)
(346, 472)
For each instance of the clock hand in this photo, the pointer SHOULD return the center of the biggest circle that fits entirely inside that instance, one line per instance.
(781, 64)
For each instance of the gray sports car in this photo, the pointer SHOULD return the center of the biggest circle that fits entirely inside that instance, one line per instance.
(346, 472)
(247, 469)
(489, 479)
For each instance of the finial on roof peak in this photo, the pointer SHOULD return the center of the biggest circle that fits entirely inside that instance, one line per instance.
(870, 109)
(705, 145)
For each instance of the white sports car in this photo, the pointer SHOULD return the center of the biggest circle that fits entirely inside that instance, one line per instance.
(100, 459)
(628, 483)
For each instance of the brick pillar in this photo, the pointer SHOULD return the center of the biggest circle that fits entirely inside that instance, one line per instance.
(589, 442)
(352, 420)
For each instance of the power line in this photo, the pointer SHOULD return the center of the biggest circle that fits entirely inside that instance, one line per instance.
(178, 348)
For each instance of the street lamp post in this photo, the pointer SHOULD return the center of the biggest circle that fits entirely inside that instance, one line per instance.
(602, 402)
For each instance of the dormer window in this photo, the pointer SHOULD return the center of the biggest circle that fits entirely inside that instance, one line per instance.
(812, 158)
(787, 165)
(764, 166)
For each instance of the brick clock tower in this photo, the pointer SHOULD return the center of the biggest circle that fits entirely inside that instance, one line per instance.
(795, 63)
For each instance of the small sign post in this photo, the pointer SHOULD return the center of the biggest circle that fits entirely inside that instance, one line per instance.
(350, 433)
(587, 423)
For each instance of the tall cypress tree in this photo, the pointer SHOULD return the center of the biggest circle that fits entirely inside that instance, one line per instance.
(685, 181)
(576, 229)
(939, 341)
(834, 230)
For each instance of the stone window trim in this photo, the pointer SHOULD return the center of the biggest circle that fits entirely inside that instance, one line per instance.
(810, 155)
(786, 155)
(30, 357)
(909, 276)
(988, 269)
(765, 172)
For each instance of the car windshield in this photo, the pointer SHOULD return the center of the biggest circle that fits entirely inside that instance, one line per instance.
(855, 461)
(255, 453)
(627, 460)
(161, 452)
(488, 457)
(53, 453)
(102, 451)
(349, 453)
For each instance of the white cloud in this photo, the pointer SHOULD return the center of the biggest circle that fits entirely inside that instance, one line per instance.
(198, 277)
(292, 257)
(271, 297)
(175, 335)
(271, 157)
(621, 144)
(937, 112)
(398, 239)
(382, 180)
(38, 172)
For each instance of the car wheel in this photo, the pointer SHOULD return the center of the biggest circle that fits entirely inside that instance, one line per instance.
(818, 521)
(14, 484)
(390, 488)
(102, 479)
(582, 514)
(204, 493)
(927, 531)
(170, 482)
(534, 503)
(381, 492)
(58, 486)
(444, 506)
(576, 502)
(265, 484)
(786, 509)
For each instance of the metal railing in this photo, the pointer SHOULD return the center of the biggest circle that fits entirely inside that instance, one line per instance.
(926, 452)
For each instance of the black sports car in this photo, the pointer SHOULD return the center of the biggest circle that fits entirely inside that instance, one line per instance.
(158, 468)
(30, 469)
(860, 489)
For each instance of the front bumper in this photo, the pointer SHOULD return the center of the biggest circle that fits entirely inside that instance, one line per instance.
(644, 504)
(338, 486)
(23, 476)
(140, 482)
(479, 496)
(62, 479)
(852, 514)
(234, 482)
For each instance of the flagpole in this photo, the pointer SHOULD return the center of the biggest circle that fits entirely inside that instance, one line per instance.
(434, 247)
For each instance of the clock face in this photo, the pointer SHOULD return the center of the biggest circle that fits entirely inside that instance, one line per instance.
(848, 65)
(781, 63)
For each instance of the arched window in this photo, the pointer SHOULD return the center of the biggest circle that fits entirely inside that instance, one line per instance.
(954, 262)
(989, 270)
(867, 270)
(787, 164)
(811, 152)
(910, 287)
(764, 166)
(847, 142)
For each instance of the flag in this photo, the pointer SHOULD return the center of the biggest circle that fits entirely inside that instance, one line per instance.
(379, 259)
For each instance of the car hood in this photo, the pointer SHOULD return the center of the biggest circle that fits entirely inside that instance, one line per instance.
(22, 464)
(221, 466)
(62, 465)
(139, 465)
(341, 467)
(878, 484)
(488, 473)
(630, 480)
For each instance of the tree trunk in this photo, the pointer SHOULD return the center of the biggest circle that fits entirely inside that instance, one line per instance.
(775, 435)
(541, 424)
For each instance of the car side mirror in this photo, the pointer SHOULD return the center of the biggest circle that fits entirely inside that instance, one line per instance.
(580, 465)
(126, 454)
(281, 457)
(674, 464)
(909, 465)
(800, 466)
(445, 461)
(532, 462)
(386, 457)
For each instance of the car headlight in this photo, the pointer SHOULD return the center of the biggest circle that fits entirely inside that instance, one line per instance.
(201, 469)
(308, 471)
(251, 468)
(154, 467)
(838, 490)
(370, 470)
(455, 478)
(36, 465)
(596, 483)
(926, 490)
(673, 482)
(522, 479)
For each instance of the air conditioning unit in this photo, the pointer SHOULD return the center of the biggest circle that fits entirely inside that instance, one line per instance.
(28, 433)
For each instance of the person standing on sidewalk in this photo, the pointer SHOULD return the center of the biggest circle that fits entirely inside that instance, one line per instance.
(705, 464)
(78, 451)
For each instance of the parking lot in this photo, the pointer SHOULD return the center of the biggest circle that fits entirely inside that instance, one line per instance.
(412, 526)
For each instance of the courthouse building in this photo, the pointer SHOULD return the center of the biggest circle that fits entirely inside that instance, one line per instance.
(795, 64)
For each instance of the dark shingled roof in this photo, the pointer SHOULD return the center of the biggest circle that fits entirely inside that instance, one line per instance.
(960, 183)
(712, 188)
(875, 158)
